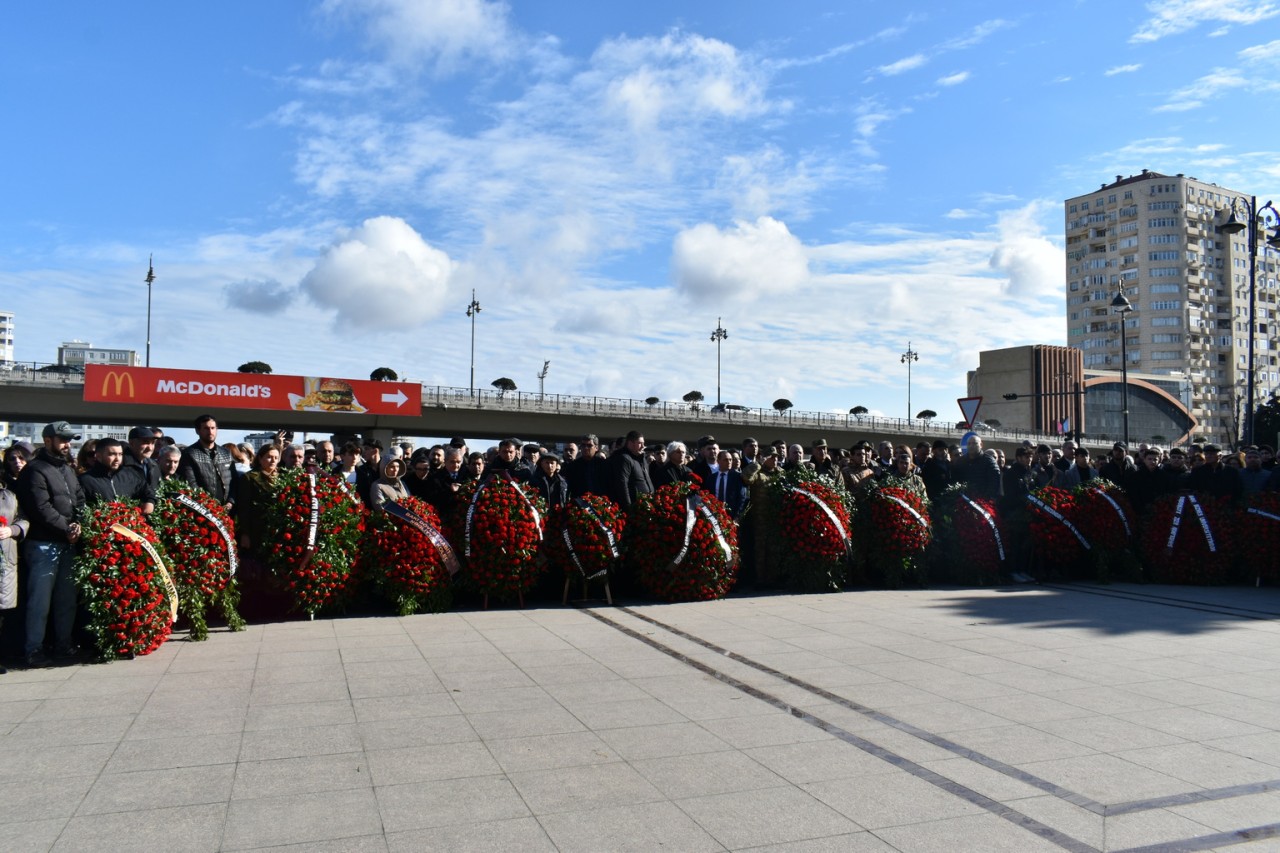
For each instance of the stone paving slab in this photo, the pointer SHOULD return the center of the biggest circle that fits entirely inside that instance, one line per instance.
(1031, 718)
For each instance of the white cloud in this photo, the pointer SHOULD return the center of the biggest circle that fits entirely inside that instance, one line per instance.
(1034, 265)
(960, 213)
(1123, 69)
(907, 63)
(441, 34)
(680, 76)
(749, 260)
(258, 297)
(1256, 74)
(953, 79)
(380, 275)
(1171, 17)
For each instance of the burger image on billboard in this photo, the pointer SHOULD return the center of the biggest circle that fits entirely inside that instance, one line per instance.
(326, 395)
(336, 395)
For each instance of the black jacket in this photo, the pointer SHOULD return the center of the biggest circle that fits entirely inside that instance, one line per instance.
(587, 476)
(554, 490)
(50, 496)
(628, 478)
(100, 484)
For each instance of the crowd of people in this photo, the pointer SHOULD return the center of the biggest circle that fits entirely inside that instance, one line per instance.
(43, 490)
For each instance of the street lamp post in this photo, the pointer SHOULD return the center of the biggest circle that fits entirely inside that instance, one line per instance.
(1268, 218)
(472, 310)
(151, 277)
(1120, 305)
(907, 358)
(717, 336)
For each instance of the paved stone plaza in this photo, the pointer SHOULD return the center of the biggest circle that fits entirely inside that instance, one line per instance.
(1018, 719)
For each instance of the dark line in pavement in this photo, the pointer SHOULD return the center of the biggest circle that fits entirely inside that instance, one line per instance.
(1209, 842)
(880, 717)
(923, 773)
(977, 757)
(1167, 601)
(1191, 797)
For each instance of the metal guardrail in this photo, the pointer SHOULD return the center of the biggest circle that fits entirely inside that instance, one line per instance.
(573, 404)
(439, 396)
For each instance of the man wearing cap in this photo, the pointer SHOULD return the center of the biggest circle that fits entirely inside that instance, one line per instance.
(761, 546)
(370, 469)
(936, 470)
(1119, 468)
(820, 460)
(858, 474)
(206, 464)
(52, 500)
(1216, 478)
(111, 480)
(140, 452)
(547, 480)
(705, 466)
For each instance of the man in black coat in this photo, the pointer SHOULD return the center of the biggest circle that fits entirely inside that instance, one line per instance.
(1215, 478)
(52, 500)
(111, 480)
(547, 480)
(589, 473)
(628, 472)
(936, 470)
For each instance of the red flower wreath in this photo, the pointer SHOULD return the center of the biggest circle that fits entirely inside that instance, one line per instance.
(314, 538)
(121, 582)
(699, 568)
(815, 521)
(584, 537)
(407, 564)
(497, 528)
(1187, 539)
(900, 525)
(1260, 548)
(200, 541)
(1055, 537)
(1104, 515)
(973, 536)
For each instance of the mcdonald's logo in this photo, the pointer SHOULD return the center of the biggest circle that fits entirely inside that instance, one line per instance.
(120, 379)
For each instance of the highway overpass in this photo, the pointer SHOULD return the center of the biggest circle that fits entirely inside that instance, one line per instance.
(32, 396)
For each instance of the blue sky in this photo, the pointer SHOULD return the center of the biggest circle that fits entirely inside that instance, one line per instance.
(323, 184)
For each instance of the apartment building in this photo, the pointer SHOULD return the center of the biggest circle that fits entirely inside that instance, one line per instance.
(1157, 238)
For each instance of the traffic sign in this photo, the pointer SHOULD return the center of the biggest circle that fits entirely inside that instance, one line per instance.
(969, 408)
(212, 390)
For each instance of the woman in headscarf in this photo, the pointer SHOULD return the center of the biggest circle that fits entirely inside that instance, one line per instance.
(389, 486)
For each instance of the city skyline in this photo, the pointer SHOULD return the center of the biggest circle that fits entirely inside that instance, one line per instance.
(323, 185)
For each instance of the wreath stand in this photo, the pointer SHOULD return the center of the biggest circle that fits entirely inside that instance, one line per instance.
(608, 595)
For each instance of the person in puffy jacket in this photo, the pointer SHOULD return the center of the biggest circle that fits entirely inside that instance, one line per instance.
(52, 501)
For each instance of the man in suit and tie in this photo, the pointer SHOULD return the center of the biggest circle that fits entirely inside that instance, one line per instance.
(726, 484)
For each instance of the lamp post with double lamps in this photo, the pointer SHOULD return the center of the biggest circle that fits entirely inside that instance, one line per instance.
(472, 310)
(1261, 222)
(717, 336)
(1121, 306)
(907, 358)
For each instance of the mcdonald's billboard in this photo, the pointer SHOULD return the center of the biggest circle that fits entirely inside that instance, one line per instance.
(211, 390)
